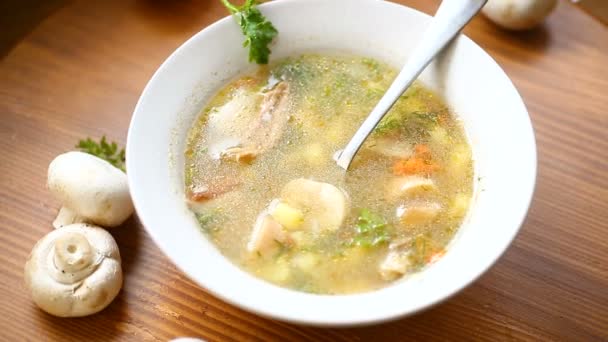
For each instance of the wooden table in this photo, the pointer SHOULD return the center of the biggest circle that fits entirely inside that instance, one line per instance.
(80, 72)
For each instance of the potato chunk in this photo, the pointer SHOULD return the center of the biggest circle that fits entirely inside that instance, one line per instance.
(460, 159)
(314, 154)
(278, 271)
(306, 261)
(459, 205)
(288, 216)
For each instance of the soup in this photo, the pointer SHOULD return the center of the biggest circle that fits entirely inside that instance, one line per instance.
(262, 183)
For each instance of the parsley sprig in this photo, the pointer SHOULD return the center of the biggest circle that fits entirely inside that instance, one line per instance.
(371, 230)
(104, 150)
(258, 31)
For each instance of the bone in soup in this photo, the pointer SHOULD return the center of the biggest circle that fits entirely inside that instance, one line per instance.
(261, 181)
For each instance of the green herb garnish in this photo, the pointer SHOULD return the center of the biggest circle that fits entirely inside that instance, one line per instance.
(297, 71)
(205, 221)
(258, 31)
(412, 124)
(372, 64)
(371, 230)
(425, 118)
(104, 150)
(386, 125)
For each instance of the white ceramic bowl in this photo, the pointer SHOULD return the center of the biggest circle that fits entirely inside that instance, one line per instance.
(494, 116)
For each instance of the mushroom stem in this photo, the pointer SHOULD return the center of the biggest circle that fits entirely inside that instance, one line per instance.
(66, 217)
(72, 252)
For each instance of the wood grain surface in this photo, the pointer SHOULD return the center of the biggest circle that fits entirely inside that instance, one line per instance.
(80, 72)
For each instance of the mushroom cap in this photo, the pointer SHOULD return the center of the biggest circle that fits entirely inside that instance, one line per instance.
(91, 188)
(74, 271)
(518, 14)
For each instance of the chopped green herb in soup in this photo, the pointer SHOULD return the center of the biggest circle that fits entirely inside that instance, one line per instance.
(263, 186)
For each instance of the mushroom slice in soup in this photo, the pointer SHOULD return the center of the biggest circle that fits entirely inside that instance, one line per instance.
(406, 186)
(324, 205)
(418, 212)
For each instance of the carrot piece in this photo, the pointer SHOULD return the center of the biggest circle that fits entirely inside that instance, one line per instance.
(422, 149)
(419, 163)
(413, 165)
(408, 166)
(435, 257)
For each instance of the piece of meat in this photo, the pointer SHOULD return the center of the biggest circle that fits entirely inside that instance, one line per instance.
(397, 260)
(394, 265)
(240, 154)
(268, 127)
(241, 138)
(213, 189)
(228, 124)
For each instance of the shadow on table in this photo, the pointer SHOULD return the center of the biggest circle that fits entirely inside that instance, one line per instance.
(445, 321)
(128, 236)
(454, 319)
(531, 44)
(175, 16)
(19, 17)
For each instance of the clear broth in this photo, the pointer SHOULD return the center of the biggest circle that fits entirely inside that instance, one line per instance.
(327, 99)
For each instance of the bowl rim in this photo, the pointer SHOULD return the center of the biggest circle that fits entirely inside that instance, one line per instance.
(378, 318)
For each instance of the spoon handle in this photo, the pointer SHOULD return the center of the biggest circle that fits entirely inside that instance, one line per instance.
(450, 18)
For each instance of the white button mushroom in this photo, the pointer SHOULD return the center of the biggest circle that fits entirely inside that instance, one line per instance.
(74, 271)
(518, 14)
(90, 189)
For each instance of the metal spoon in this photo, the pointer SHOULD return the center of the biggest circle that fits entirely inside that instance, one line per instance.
(450, 18)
